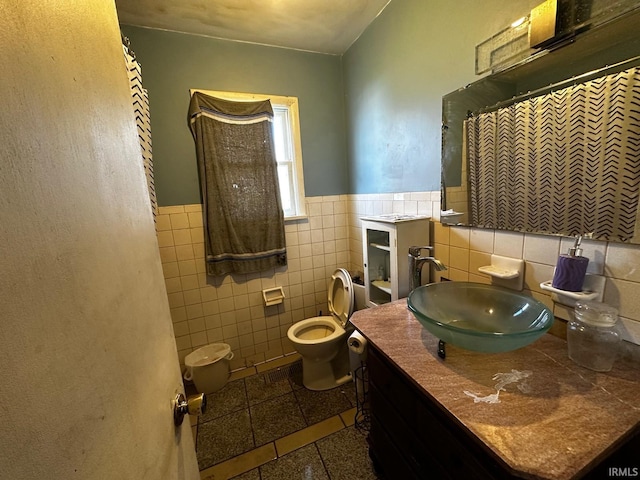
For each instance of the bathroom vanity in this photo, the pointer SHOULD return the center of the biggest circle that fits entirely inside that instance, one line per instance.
(528, 413)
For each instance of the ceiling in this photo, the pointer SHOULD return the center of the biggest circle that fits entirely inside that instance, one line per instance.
(324, 26)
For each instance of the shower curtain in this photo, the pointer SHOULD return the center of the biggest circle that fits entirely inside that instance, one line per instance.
(243, 218)
(567, 162)
(140, 100)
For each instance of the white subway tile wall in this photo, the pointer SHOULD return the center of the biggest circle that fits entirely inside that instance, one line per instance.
(231, 309)
(619, 263)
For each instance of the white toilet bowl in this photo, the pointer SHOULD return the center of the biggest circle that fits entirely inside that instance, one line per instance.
(321, 340)
(316, 338)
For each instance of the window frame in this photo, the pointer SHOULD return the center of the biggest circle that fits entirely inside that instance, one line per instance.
(291, 104)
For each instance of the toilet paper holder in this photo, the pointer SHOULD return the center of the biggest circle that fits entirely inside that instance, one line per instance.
(357, 343)
(273, 296)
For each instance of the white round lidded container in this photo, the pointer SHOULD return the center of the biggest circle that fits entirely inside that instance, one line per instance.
(592, 337)
(208, 367)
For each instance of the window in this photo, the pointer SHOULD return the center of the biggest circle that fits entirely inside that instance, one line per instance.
(286, 134)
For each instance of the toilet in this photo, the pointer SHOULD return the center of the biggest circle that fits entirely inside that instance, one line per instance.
(321, 341)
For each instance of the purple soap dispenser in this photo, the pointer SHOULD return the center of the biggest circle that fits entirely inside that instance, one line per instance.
(571, 269)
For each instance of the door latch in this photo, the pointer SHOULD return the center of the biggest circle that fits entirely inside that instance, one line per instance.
(194, 405)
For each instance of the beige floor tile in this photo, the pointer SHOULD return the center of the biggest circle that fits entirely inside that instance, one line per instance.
(278, 362)
(349, 417)
(308, 435)
(240, 464)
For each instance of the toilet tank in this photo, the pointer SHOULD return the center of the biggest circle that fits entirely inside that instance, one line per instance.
(359, 297)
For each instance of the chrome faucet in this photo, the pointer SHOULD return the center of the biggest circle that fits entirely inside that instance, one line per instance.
(416, 262)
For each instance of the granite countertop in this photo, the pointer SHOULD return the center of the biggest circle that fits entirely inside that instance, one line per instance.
(552, 419)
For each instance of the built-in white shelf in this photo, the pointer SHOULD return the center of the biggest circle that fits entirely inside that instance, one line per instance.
(386, 248)
(505, 272)
(592, 289)
(582, 295)
(383, 285)
(498, 272)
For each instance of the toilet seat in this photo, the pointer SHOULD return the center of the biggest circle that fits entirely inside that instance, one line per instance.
(314, 323)
(341, 296)
(341, 303)
(321, 340)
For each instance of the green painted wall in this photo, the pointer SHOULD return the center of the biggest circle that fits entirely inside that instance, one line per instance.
(395, 75)
(370, 120)
(172, 63)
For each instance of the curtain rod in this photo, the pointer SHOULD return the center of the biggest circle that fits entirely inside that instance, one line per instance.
(127, 44)
(553, 86)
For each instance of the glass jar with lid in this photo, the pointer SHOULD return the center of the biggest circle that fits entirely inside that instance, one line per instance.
(592, 337)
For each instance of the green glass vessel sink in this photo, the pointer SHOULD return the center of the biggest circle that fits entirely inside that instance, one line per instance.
(479, 317)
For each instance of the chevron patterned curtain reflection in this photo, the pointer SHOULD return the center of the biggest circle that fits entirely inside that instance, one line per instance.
(567, 162)
(140, 100)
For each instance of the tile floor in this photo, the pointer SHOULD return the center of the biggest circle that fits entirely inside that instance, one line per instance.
(264, 425)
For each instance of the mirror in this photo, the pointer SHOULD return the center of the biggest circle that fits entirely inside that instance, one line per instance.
(608, 48)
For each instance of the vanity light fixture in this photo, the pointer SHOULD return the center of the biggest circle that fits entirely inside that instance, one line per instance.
(542, 24)
(518, 22)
